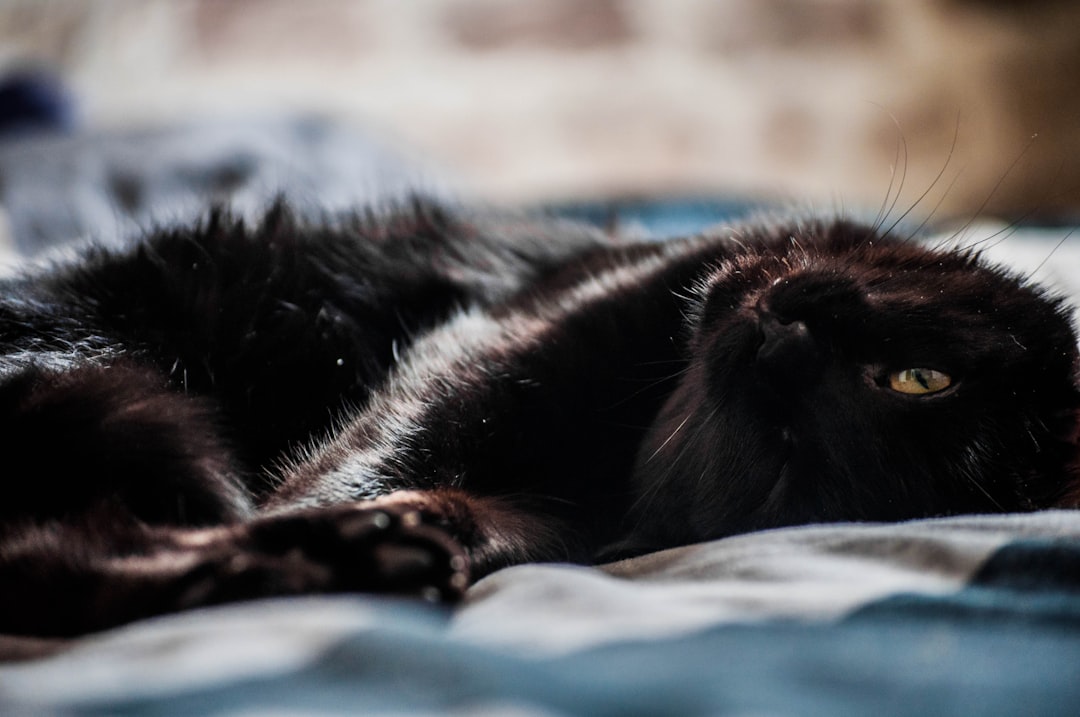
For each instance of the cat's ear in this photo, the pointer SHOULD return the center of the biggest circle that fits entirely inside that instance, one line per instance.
(1070, 496)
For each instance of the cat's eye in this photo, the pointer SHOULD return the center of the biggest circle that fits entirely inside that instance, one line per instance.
(919, 381)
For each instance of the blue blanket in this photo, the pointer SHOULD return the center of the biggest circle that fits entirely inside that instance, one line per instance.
(977, 615)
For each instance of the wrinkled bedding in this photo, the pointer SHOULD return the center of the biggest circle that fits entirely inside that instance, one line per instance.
(967, 615)
(974, 615)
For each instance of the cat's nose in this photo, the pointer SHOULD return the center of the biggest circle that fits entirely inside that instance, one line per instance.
(788, 351)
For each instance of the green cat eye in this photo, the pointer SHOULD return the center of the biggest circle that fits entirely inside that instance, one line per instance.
(919, 381)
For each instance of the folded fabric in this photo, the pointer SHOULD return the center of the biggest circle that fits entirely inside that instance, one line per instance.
(974, 615)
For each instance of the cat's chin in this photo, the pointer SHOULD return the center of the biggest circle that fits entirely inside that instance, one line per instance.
(747, 481)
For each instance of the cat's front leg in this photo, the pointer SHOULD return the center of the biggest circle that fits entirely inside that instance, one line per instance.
(68, 578)
(366, 547)
(429, 543)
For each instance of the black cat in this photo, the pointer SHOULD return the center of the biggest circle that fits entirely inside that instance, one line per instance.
(415, 398)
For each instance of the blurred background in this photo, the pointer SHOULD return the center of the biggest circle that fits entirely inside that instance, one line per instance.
(823, 102)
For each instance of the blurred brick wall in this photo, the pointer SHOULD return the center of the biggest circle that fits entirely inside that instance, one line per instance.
(806, 99)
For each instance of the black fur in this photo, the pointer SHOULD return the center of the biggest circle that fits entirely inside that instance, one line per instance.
(393, 403)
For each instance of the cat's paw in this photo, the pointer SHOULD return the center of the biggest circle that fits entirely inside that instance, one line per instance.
(493, 531)
(350, 548)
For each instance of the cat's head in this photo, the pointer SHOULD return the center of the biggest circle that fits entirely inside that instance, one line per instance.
(835, 374)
